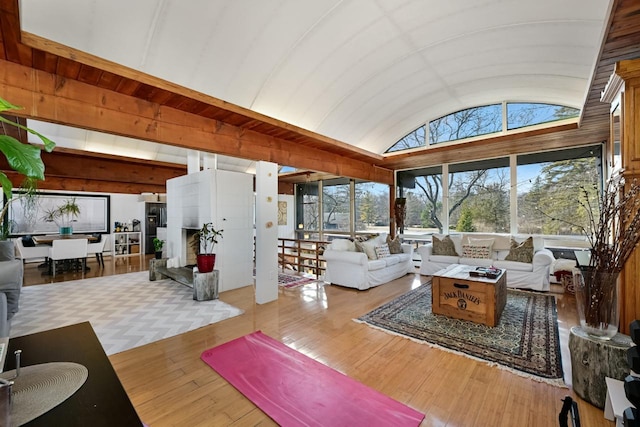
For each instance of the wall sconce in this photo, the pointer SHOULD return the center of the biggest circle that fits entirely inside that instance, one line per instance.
(300, 226)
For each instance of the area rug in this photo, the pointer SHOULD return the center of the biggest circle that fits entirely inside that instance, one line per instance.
(290, 281)
(525, 341)
(295, 390)
(125, 310)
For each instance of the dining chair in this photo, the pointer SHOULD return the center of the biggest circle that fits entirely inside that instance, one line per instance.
(96, 248)
(26, 249)
(68, 249)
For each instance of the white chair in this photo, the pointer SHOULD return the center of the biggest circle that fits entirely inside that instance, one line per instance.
(96, 248)
(30, 252)
(71, 249)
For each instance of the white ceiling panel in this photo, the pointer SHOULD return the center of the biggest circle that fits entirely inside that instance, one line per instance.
(364, 72)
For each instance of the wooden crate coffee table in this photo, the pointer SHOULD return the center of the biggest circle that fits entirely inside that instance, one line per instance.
(457, 294)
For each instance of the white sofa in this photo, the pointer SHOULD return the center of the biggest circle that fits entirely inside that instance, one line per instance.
(347, 267)
(522, 275)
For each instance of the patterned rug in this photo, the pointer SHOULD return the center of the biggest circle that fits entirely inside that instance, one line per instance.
(525, 341)
(125, 310)
(289, 281)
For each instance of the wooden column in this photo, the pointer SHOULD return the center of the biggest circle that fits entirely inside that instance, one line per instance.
(629, 71)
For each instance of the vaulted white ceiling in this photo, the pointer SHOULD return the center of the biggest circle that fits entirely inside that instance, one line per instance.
(365, 72)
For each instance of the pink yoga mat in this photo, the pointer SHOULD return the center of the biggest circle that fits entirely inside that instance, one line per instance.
(296, 390)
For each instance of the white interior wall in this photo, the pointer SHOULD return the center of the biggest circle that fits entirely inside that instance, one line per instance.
(288, 230)
(266, 232)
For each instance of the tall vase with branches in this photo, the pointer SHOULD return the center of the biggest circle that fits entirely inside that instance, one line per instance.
(614, 233)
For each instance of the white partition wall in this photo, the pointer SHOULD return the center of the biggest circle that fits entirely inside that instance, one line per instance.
(266, 232)
(224, 198)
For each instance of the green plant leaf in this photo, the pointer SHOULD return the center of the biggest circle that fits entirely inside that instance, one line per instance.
(7, 186)
(48, 144)
(6, 105)
(23, 158)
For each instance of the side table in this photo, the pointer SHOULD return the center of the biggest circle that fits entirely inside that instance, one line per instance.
(205, 285)
(593, 360)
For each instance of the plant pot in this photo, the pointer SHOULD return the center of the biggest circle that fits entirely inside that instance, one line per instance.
(597, 302)
(158, 254)
(66, 231)
(206, 262)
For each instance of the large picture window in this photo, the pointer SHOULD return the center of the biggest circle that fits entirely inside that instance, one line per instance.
(554, 189)
(336, 201)
(372, 207)
(423, 190)
(479, 196)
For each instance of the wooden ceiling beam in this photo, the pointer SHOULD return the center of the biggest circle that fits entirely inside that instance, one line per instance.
(76, 170)
(51, 98)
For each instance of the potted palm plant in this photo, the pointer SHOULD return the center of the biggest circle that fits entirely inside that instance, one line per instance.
(24, 159)
(205, 240)
(157, 246)
(63, 215)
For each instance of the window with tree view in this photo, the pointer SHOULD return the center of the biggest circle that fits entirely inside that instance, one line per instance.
(521, 114)
(479, 196)
(423, 191)
(336, 205)
(308, 208)
(466, 123)
(556, 189)
(372, 207)
(483, 120)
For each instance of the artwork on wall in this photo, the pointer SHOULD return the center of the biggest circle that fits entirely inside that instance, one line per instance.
(282, 213)
(27, 215)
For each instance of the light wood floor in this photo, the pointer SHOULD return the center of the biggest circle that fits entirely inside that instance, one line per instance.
(170, 386)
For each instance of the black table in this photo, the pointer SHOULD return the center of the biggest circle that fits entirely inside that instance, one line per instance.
(101, 401)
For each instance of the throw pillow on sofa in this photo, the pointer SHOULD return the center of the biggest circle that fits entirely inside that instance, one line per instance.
(444, 246)
(395, 246)
(368, 248)
(343, 245)
(522, 252)
(471, 251)
(382, 251)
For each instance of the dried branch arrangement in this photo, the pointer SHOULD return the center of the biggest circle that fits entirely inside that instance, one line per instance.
(616, 232)
(613, 237)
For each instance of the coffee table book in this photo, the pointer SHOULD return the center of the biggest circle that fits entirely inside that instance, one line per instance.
(458, 294)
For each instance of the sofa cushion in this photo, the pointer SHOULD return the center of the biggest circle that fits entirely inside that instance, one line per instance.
(500, 241)
(7, 251)
(443, 246)
(478, 262)
(368, 248)
(481, 242)
(343, 245)
(444, 259)
(513, 265)
(473, 251)
(395, 246)
(522, 252)
(382, 251)
(376, 264)
(538, 242)
(403, 257)
(391, 260)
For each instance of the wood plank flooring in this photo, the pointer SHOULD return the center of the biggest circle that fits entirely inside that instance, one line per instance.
(170, 386)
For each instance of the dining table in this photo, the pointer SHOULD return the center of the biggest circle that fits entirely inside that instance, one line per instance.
(49, 238)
